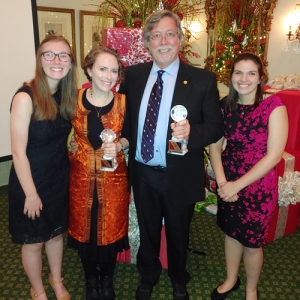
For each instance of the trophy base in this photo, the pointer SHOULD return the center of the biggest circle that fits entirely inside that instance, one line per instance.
(108, 164)
(177, 147)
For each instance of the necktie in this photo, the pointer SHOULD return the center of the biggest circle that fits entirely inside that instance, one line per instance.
(147, 147)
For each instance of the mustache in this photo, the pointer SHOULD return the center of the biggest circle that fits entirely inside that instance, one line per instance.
(164, 48)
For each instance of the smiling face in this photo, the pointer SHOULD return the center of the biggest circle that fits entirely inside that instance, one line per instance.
(55, 70)
(104, 72)
(164, 51)
(245, 79)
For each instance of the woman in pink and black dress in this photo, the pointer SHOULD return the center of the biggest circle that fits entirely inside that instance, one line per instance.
(256, 130)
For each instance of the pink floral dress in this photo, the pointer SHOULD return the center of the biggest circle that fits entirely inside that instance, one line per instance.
(246, 130)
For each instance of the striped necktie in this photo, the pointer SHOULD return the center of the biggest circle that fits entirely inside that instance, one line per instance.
(149, 129)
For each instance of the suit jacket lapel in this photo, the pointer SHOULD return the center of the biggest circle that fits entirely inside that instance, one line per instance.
(181, 91)
(182, 85)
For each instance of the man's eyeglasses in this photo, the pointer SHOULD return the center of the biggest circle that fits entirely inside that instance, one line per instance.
(157, 36)
(49, 56)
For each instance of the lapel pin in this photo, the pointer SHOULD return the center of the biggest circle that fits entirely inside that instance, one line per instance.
(185, 82)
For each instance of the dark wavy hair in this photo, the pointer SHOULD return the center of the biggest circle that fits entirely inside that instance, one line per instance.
(91, 57)
(233, 97)
(44, 107)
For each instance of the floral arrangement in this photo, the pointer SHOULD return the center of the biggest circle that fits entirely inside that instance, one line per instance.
(133, 14)
(237, 32)
(235, 27)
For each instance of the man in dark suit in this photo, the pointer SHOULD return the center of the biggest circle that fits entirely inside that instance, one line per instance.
(167, 186)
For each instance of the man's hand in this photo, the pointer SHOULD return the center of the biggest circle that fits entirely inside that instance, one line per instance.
(181, 129)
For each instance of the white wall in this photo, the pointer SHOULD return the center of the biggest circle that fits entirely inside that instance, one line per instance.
(17, 61)
(280, 62)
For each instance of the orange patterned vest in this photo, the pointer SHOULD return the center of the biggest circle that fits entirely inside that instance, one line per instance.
(113, 197)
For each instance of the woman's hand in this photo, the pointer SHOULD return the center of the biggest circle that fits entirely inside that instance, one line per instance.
(228, 191)
(73, 144)
(110, 149)
(32, 207)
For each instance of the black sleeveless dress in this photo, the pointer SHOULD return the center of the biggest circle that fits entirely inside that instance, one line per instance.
(49, 162)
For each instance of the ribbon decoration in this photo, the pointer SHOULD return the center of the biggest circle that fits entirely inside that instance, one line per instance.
(129, 44)
(133, 231)
(137, 53)
(289, 184)
(281, 222)
(289, 189)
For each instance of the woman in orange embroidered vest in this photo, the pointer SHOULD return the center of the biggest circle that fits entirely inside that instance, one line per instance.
(98, 217)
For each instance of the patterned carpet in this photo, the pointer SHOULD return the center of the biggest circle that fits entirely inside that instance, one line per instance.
(280, 277)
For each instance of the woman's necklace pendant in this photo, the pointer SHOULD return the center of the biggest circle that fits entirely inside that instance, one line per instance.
(98, 111)
(246, 109)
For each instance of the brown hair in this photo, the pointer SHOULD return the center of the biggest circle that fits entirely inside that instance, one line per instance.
(44, 107)
(153, 20)
(91, 57)
(232, 98)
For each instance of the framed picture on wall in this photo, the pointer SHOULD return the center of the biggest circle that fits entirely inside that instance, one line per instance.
(60, 21)
(91, 26)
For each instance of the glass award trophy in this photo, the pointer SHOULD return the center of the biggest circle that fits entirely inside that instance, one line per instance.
(108, 163)
(178, 146)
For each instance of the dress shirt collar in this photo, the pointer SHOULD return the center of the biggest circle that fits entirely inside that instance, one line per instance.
(171, 69)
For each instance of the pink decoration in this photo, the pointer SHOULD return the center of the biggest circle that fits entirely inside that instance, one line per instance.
(129, 44)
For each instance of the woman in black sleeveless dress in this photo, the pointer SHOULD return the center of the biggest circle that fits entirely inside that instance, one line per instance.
(41, 114)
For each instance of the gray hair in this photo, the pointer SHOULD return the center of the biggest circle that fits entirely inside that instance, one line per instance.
(153, 20)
